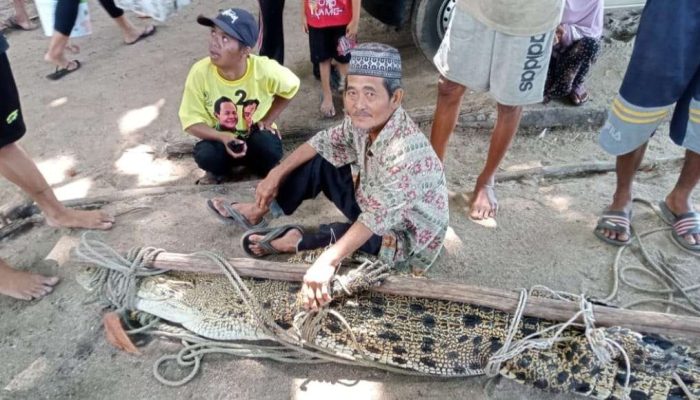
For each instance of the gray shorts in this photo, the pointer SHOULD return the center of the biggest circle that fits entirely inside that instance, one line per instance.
(512, 68)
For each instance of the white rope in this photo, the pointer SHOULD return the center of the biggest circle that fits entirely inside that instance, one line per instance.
(603, 347)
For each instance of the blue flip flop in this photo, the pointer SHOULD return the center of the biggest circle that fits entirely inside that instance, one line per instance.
(235, 217)
(616, 221)
(269, 234)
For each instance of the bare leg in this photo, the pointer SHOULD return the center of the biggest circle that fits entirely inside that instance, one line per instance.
(626, 168)
(24, 285)
(483, 203)
(327, 108)
(18, 168)
(679, 198)
(446, 112)
(21, 16)
(56, 54)
(130, 32)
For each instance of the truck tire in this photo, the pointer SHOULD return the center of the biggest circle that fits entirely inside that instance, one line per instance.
(429, 21)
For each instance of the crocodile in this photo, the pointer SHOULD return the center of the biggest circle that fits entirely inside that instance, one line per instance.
(419, 335)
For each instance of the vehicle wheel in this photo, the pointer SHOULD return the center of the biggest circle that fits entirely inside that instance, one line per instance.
(429, 23)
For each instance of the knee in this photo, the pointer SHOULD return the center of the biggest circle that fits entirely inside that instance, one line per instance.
(506, 110)
(208, 155)
(448, 90)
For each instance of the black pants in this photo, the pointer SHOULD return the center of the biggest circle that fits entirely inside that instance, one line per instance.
(272, 44)
(264, 152)
(312, 178)
(567, 72)
(11, 122)
(67, 13)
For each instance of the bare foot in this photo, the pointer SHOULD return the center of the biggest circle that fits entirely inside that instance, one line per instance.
(250, 211)
(71, 218)
(287, 243)
(24, 285)
(484, 204)
(680, 206)
(327, 107)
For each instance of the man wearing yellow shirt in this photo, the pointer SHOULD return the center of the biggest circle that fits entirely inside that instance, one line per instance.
(231, 72)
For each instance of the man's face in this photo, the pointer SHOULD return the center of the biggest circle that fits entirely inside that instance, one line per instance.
(367, 102)
(249, 110)
(225, 51)
(227, 116)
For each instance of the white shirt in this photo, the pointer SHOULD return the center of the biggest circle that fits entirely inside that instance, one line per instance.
(516, 17)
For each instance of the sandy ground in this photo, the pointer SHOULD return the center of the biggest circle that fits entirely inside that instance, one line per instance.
(102, 130)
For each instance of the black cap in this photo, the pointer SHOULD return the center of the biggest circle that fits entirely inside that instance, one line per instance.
(237, 23)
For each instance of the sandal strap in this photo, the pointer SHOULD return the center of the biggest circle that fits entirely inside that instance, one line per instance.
(266, 242)
(616, 221)
(687, 224)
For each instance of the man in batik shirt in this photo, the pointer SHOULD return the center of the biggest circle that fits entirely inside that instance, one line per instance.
(398, 210)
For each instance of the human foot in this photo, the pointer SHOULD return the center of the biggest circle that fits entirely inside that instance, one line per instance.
(134, 35)
(483, 204)
(618, 214)
(327, 107)
(685, 222)
(70, 218)
(24, 285)
(249, 211)
(24, 24)
(266, 241)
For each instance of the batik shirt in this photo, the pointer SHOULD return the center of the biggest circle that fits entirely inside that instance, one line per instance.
(401, 191)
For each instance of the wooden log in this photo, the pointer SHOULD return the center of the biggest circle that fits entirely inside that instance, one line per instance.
(546, 117)
(499, 299)
(582, 169)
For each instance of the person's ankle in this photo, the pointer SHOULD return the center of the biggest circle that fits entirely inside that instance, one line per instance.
(679, 203)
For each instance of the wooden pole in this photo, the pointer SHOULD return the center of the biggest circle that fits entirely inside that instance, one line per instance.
(499, 299)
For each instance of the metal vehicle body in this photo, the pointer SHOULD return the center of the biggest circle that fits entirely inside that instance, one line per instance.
(428, 19)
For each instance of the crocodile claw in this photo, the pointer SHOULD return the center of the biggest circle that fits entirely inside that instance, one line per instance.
(360, 279)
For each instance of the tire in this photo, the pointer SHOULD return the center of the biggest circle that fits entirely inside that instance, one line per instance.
(429, 22)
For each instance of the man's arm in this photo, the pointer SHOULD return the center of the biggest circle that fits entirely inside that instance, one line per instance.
(278, 105)
(266, 190)
(205, 132)
(351, 30)
(316, 289)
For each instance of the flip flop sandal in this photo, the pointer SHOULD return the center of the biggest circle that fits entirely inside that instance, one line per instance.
(61, 72)
(687, 224)
(269, 234)
(143, 35)
(666, 215)
(235, 217)
(12, 23)
(616, 221)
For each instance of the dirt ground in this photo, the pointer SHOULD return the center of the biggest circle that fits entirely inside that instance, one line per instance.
(103, 129)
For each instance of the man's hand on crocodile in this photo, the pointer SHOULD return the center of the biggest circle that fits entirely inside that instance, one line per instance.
(316, 289)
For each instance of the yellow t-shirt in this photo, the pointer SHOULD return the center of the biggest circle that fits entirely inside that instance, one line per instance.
(234, 105)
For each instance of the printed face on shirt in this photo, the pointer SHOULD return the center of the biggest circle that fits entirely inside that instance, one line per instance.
(249, 110)
(227, 116)
(368, 103)
(225, 51)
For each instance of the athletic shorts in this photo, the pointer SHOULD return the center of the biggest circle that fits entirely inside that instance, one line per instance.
(664, 70)
(323, 44)
(512, 68)
(11, 123)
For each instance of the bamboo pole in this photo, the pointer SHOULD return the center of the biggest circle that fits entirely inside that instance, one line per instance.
(499, 299)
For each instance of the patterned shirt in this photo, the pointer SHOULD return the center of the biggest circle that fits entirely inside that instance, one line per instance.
(401, 190)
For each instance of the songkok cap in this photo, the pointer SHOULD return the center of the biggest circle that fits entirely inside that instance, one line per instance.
(375, 59)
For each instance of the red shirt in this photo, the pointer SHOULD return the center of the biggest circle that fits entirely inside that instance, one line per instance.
(325, 13)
